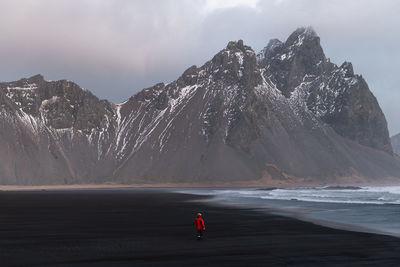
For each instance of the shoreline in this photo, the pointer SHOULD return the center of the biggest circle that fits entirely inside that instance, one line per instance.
(154, 228)
(181, 188)
(268, 208)
(238, 184)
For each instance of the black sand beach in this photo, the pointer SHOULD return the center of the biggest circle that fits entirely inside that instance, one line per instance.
(148, 227)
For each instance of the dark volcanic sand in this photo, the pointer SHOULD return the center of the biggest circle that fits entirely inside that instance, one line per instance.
(151, 227)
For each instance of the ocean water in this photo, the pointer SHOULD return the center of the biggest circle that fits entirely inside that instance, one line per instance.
(373, 209)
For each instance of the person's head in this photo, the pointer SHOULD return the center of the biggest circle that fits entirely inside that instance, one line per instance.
(198, 215)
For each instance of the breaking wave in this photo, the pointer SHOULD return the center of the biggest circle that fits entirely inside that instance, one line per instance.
(330, 194)
(371, 209)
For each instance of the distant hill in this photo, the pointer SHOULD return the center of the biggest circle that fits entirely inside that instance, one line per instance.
(396, 143)
(286, 115)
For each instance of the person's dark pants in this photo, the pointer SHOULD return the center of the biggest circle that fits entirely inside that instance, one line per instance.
(199, 233)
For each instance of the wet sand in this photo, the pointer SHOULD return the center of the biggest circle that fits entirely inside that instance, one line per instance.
(150, 227)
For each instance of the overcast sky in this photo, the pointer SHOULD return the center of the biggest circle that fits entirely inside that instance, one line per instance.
(116, 48)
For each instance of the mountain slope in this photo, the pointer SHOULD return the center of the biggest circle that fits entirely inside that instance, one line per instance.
(285, 116)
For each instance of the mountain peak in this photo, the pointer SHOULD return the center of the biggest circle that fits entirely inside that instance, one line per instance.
(36, 78)
(304, 31)
(301, 36)
(309, 31)
(234, 50)
(271, 48)
(300, 55)
(235, 62)
(347, 67)
(233, 45)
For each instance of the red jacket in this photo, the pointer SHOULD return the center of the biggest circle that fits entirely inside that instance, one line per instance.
(199, 223)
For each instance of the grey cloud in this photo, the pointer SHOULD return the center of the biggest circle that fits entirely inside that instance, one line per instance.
(115, 48)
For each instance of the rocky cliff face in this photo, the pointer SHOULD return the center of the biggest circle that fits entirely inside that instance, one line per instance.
(284, 113)
(300, 70)
(53, 132)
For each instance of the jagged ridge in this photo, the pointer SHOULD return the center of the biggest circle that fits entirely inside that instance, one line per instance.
(335, 94)
(287, 112)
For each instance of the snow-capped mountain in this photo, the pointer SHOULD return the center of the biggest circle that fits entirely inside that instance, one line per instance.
(334, 94)
(286, 115)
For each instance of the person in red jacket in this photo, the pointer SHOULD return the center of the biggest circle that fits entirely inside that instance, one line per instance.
(200, 226)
